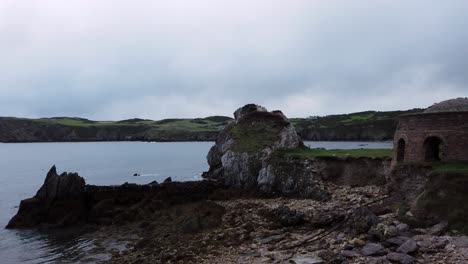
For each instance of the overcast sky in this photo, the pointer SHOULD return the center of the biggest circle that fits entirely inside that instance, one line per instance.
(111, 59)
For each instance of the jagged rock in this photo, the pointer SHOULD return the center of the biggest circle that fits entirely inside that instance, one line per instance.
(65, 200)
(168, 179)
(373, 249)
(409, 246)
(400, 258)
(290, 177)
(67, 185)
(59, 202)
(153, 183)
(247, 109)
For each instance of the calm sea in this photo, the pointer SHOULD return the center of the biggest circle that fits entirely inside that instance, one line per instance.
(23, 168)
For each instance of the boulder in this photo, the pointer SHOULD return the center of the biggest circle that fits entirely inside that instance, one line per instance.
(400, 258)
(60, 201)
(373, 249)
(361, 221)
(240, 154)
(409, 246)
(438, 229)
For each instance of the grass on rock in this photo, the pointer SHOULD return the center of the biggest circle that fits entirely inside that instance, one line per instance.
(314, 152)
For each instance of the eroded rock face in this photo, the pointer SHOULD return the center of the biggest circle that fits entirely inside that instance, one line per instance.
(242, 147)
(59, 202)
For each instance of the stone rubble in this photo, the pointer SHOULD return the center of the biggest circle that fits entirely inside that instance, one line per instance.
(285, 230)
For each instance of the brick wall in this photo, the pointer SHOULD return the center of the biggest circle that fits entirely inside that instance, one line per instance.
(450, 127)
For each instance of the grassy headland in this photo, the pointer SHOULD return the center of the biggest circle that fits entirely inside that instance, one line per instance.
(364, 126)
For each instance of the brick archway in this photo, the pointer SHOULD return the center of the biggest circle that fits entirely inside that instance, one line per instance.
(401, 146)
(432, 146)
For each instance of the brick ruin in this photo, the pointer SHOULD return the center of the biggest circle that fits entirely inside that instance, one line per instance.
(432, 136)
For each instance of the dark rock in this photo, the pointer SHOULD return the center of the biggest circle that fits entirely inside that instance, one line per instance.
(288, 217)
(438, 229)
(397, 241)
(348, 253)
(65, 200)
(409, 246)
(136, 174)
(431, 244)
(400, 258)
(65, 186)
(168, 179)
(59, 202)
(361, 221)
(402, 228)
(153, 183)
(373, 249)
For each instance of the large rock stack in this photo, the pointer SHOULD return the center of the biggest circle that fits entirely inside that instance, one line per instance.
(59, 202)
(244, 148)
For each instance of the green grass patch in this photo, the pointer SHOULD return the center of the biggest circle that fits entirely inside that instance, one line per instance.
(254, 138)
(451, 167)
(257, 131)
(196, 125)
(446, 195)
(314, 152)
(353, 118)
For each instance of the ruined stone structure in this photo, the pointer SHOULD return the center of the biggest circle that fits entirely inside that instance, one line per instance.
(440, 133)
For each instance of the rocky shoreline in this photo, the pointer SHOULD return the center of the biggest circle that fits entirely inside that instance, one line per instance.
(258, 205)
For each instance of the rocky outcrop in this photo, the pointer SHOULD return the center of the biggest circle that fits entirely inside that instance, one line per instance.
(242, 147)
(60, 201)
(65, 200)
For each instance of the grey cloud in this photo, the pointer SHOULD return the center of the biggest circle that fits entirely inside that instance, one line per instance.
(157, 59)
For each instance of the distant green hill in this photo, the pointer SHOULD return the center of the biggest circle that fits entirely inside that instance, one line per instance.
(80, 129)
(369, 125)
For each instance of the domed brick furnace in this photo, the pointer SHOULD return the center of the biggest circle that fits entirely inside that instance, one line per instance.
(440, 133)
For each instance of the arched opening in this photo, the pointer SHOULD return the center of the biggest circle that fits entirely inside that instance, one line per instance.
(401, 150)
(432, 149)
